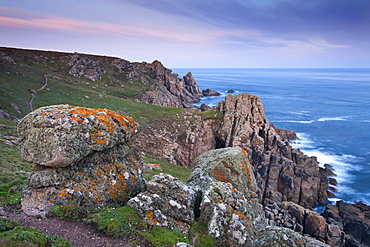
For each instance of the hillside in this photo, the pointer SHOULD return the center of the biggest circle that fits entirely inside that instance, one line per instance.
(91, 81)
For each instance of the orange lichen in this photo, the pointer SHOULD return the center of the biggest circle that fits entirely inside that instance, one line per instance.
(243, 152)
(221, 176)
(150, 216)
(77, 119)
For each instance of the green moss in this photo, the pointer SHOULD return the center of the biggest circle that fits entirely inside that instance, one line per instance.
(28, 236)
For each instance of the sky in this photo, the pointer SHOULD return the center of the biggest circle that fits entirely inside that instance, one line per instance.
(197, 33)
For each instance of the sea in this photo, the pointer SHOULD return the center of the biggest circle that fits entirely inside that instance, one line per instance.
(329, 109)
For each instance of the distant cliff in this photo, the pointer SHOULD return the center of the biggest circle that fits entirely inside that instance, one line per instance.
(88, 78)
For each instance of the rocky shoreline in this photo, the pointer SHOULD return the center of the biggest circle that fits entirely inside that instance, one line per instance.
(289, 184)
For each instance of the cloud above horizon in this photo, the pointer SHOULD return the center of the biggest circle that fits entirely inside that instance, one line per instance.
(193, 33)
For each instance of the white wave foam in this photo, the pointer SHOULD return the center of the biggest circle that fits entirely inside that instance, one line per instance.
(342, 164)
(323, 119)
(302, 142)
(296, 121)
(301, 113)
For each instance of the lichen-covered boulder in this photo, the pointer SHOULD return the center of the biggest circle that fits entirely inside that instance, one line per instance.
(167, 202)
(82, 156)
(228, 165)
(229, 203)
(58, 136)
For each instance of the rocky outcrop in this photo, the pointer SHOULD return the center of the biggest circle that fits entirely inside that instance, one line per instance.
(210, 92)
(353, 219)
(221, 193)
(282, 173)
(86, 67)
(81, 155)
(303, 221)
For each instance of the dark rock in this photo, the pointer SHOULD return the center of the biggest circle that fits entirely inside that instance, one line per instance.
(205, 107)
(210, 92)
(230, 91)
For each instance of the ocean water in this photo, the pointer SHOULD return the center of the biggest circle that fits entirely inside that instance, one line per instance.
(329, 109)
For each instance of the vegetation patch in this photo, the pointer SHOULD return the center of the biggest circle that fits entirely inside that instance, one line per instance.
(21, 236)
(116, 222)
(13, 170)
(70, 212)
(179, 172)
(199, 236)
(160, 236)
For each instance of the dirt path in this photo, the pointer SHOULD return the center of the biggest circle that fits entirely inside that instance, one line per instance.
(79, 233)
(33, 92)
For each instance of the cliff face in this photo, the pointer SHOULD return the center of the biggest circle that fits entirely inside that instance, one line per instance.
(282, 173)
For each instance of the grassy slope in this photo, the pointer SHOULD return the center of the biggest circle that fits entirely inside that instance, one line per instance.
(29, 73)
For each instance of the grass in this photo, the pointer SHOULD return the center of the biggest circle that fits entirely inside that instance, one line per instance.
(13, 170)
(124, 221)
(179, 172)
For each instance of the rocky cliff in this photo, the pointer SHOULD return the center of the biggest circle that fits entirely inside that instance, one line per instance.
(282, 173)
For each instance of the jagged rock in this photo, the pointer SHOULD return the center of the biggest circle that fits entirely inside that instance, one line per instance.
(191, 85)
(210, 92)
(282, 173)
(82, 155)
(279, 236)
(86, 67)
(167, 202)
(354, 219)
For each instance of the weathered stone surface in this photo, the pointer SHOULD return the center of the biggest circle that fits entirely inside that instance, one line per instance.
(86, 67)
(230, 216)
(279, 236)
(82, 156)
(58, 136)
(167, 202)
(228, 165)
